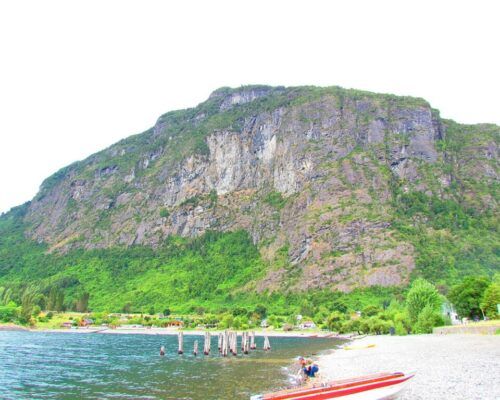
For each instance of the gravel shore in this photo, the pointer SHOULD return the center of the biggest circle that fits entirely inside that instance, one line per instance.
(448, 367)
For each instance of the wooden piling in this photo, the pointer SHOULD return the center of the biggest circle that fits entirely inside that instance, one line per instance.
(225, 344)
(206, 344)
(245, 343)
(253, 346)
(267, 345)
(180, 339)
(219, 342)
(235, 343)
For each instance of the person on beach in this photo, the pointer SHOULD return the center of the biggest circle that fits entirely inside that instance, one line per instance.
(313, 370)
(310, 370)
(301, 376)
(162, 351)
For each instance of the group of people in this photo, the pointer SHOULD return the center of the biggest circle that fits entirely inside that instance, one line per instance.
(308, 368)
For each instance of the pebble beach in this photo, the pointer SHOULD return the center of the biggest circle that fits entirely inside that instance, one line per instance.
(447, 366)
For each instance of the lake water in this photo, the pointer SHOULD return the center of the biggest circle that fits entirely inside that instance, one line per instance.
(113, 366)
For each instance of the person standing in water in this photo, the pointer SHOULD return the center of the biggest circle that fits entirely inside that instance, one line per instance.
(162, 351)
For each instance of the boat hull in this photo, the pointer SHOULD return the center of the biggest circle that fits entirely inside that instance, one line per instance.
(383, 386)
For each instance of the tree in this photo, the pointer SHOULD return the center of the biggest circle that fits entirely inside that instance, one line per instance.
(261, 310)
(371, 310)
(60, 301)
(27, 304)
(467, 296)
(239, 311)
(352, 325)
(490, 301)
(422, 294)
(55, 300)
(339, 305)
(82, 305)
(335, 320)
(6, 296)
(127, 307)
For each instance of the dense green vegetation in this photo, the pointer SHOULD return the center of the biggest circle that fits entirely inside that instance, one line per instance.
(452, 240)
(211, 277)
(182, 273)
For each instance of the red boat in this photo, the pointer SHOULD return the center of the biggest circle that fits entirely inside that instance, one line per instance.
(382, 386)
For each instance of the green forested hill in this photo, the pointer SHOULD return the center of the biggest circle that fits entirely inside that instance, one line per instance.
(292, 197)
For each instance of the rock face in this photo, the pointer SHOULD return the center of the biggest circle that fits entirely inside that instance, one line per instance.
(309, 172)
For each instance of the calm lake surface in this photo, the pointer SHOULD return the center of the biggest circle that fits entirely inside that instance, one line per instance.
(113, 366)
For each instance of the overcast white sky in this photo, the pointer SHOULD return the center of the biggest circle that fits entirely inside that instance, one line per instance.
(76, 76)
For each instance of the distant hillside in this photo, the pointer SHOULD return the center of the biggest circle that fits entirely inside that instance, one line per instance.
(265, 191)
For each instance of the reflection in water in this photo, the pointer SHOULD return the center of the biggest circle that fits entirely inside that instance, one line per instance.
(91, 366)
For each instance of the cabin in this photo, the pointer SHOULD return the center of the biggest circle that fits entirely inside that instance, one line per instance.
(175, 323)
(307, 325)
(67, 324)
(86, 322)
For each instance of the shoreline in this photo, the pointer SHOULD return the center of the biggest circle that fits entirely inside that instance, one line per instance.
(175, 331)
(448, 366)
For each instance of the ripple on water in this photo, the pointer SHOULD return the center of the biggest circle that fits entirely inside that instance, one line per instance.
(93, 366)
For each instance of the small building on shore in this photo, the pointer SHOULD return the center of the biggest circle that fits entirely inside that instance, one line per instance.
(448, 311)
(307, 325)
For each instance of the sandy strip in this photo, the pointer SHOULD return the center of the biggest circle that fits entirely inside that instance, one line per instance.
(448, 367)
(175, 331)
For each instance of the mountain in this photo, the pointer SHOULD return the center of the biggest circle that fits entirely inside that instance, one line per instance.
(265, 191)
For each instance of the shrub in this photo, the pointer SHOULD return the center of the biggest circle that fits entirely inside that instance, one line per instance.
(287, 327)
(275, 199)
(226, 321)
(8, 312)
(378, 326)
(402, 323)
(427, 320)
(36, 311)
(352, 325)
(400, 329)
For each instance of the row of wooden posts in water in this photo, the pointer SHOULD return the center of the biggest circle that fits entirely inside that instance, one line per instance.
(227, 343)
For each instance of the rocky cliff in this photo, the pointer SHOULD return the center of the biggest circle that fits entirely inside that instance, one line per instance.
(319, 177)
